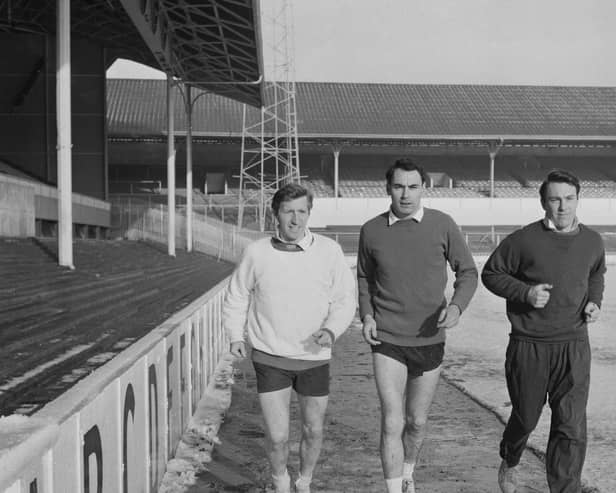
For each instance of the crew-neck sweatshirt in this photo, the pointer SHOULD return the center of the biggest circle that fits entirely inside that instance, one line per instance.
(281, 297)
(402, 274)
(574, 263)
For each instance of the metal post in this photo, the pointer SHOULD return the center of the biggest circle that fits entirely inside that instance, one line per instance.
(170, 168)
(336, 173)
(161, 223)
(262, 175)
(63, 116)
(189, 172)
(240, 206)
(494, 147)
(492, 157)
(296, 150)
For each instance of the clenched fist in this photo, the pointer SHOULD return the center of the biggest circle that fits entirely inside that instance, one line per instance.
(591, 312)
(539, 295)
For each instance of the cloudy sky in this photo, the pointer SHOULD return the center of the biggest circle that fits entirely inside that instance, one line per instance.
(539, 42)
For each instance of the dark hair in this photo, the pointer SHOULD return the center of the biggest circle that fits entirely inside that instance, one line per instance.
(559, 176)
(407, 165)
(288, 192)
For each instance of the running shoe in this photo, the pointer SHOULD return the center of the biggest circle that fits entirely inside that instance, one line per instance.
(507, 478)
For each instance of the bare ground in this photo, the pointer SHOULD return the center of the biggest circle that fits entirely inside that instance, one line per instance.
(460, 453)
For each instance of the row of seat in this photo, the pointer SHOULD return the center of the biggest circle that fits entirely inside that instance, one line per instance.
(377, 189)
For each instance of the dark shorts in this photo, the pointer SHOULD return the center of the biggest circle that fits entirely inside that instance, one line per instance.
(417, 359)
(311, 382)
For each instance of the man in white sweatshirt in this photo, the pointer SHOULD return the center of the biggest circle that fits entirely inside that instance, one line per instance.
(292, 295)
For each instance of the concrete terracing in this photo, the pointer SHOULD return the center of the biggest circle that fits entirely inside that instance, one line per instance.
(57, 325)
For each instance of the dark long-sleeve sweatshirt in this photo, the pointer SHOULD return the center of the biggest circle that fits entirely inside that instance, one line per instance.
(574, 263)
(402, 274)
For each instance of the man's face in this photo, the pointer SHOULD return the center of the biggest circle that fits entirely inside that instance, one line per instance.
(560, 204)
(405, 190)
(292, 219)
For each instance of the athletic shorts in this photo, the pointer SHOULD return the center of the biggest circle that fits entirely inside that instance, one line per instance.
(311, 382)
(417, 359)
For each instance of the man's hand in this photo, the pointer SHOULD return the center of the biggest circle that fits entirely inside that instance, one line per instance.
(591, 312)
(238, 349)
(449, 317)
(539, 295)
(323, 338)
(369, 331)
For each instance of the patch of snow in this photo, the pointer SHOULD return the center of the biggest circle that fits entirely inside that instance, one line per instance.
(41, 368)
(194, 451)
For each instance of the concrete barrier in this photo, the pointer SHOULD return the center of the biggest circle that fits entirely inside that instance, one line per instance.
(115, 430)
(23, 201)
(16, 206)
(465, 211)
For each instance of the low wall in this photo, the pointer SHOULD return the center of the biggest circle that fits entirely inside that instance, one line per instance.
(86, 210)
(16, 207)
(465, 211)
(115, 430)
(22, 202)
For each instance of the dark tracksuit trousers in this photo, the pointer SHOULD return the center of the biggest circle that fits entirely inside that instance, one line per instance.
(561, 372)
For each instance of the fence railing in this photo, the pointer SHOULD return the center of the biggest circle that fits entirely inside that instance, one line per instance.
(142, 220)
(217, 236)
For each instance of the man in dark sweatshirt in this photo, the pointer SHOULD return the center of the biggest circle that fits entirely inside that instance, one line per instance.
(402, 273)
(551, 274)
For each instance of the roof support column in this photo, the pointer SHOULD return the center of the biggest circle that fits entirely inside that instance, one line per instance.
(336, 173)
(494, 147)
(170, 168)
(492, 157)
(64, 150)
(189, 171)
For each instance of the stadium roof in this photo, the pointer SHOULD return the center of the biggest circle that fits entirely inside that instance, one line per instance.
(212, 44)
(136, 109)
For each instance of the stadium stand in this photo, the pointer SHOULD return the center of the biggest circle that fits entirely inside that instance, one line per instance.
(514, 176)
(455, 176)
(66, 323)
(362, 181)
(449, 132)
(461, 192)
(317, 179)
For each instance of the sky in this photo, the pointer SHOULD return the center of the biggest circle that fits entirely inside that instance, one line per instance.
(535, 42)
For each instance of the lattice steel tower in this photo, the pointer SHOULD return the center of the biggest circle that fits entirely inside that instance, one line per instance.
(270, 156)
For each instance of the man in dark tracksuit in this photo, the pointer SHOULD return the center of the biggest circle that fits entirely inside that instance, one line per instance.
(551, 274)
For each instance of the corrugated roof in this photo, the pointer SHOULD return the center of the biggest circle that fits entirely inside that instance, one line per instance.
(212, 44)
(386, 111)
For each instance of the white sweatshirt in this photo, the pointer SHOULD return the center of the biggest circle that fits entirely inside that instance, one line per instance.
(281, 298)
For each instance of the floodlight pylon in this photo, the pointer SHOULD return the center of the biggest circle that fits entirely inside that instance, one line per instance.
(270, 157)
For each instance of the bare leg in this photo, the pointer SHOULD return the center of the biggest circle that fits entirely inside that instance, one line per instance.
(275, 408)
(391, 376)
(313, 415)
(419, 395)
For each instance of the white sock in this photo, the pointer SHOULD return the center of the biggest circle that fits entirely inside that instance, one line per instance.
(394, 485)
(303, 481)
(408, 469)
(282, 482)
